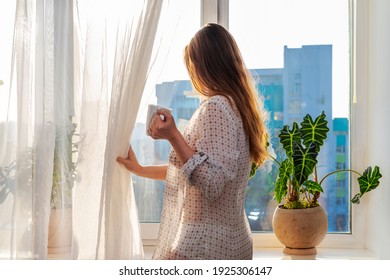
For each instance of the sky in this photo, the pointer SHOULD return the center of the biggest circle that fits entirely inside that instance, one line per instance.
(267, 26)
(261, 28)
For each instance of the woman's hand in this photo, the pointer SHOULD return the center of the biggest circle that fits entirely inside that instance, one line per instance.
(166, 129)
(163, 129)
(157, 172)
(131, 162)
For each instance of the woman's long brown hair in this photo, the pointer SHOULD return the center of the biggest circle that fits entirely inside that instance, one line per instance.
(216, 67)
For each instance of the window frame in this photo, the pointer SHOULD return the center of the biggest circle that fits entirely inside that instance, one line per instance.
(218, 11)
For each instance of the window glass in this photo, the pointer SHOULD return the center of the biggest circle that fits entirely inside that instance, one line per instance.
(298, 52)
(300, 60)
(173, 90)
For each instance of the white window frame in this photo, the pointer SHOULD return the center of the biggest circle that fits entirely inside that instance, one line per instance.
(215, 11)
(218, 11)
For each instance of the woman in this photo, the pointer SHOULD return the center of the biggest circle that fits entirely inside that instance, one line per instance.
(203, 213)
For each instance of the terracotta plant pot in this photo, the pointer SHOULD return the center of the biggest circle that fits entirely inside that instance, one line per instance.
(60, 231)
(300, 230)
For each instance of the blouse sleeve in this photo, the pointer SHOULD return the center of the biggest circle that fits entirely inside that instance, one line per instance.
(215, 160)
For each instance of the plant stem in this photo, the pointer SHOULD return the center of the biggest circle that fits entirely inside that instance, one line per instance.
(336, 171)
(274, 159)
(307, 195)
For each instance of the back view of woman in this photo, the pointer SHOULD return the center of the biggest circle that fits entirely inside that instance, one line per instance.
(209, 165)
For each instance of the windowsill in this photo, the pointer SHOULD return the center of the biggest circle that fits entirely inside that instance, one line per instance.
(277, 254)
(322, 254)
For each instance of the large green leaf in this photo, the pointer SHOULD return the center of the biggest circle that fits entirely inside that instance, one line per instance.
(289, 137)
(314, 131)
(285, 171)
(367, 182)
(305, 159)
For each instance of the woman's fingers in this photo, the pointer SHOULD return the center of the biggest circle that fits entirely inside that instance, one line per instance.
(120, 159)
(131, 162)
(162, 125)
(165, 113)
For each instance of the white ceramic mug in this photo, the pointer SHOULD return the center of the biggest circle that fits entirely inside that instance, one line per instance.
(152, 111)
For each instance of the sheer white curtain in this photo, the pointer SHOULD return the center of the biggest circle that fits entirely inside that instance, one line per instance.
(79, 70)
(28, 136)
(116, 223)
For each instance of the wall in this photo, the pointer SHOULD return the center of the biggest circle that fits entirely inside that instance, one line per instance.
(378, 104)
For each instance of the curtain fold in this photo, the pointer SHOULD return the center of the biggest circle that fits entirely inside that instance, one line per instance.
(132, 59)
(79, 70)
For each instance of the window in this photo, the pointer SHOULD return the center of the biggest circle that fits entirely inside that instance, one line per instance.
(311, 55)
(149, 194)
(300, 67)
(172, 90)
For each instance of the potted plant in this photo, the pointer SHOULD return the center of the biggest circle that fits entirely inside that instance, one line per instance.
(7, 181)
(24, 167)
(64, 167)
(16, 181)
(300, 223)
(64, 175)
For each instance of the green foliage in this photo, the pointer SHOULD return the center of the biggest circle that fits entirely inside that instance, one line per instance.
(285, 171)
(253, 170)
(367, 182)
(299, 204)
(312, 187)
(304, 161)
(67, 146)
(302, 144)
(16, 178)
(64, 166)
(7, 181)
(288, 138)
(314, 131)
